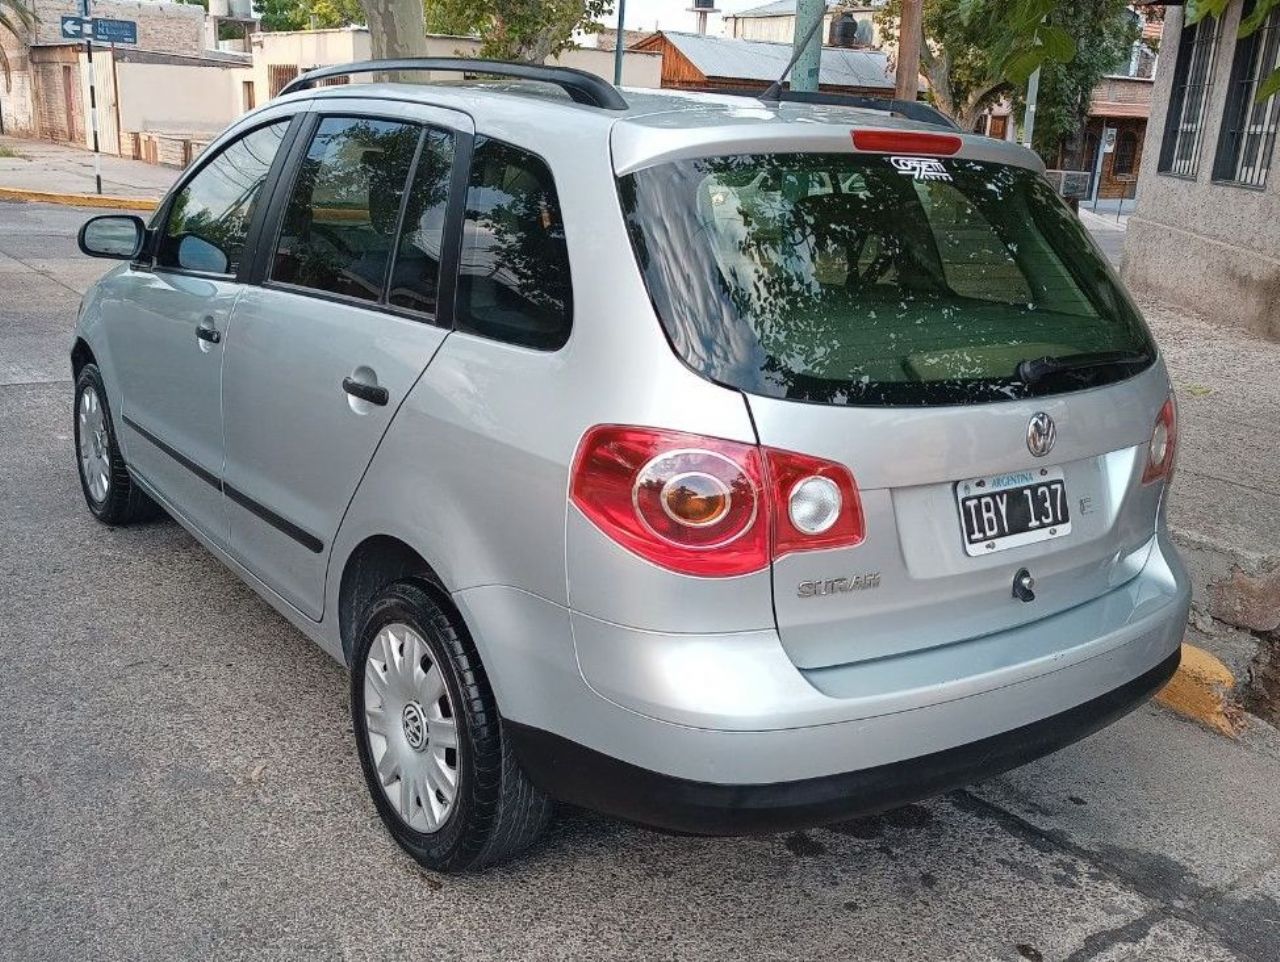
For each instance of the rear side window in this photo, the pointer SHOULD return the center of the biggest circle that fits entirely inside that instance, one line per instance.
(209, 218)
(513, 277)
(338, 232)
(415, 279)
(852, 279)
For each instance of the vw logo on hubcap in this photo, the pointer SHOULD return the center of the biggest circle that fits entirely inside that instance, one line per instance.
(1041, 433)
(415, 726)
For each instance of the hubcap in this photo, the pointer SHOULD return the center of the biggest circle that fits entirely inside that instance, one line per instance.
(411, 728)
(95, 456)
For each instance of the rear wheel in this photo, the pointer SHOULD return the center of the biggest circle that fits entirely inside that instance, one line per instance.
(441, 773)
(108, 490)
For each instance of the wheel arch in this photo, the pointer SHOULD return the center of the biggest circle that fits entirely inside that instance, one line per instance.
(377, 561)
(81, 354)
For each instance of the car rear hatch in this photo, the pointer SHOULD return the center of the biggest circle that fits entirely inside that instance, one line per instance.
(935, 320)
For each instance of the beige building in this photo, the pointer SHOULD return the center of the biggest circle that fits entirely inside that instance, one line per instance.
(1206, 231)
(48, 93)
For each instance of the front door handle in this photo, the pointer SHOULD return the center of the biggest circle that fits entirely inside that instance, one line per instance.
(210, 334)
(365, 392)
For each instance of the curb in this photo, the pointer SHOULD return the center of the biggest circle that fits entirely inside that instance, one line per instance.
(79, 200)
(1201, 690)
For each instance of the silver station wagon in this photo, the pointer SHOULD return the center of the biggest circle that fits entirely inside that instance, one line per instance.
(724, 464)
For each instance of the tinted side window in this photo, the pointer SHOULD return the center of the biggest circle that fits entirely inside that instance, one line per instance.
(210, 217)
(415, 279)
(339, 228)
(513, 276)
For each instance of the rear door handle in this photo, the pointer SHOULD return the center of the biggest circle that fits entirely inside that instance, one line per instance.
(365, 392)
(210, 334)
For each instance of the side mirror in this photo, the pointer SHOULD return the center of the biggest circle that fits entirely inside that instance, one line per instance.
(197, 254)
(118, 236)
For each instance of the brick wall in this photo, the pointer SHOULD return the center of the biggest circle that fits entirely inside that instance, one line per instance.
(165, 27)
(59, 101)
(17, 105)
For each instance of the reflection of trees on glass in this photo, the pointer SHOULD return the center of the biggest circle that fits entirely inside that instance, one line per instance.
(217, 205)
(845, 279)
(514, 272)
(415, 278)
(339, 227)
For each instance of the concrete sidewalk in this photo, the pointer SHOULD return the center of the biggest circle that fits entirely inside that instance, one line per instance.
(1225, 503)
(40, 165)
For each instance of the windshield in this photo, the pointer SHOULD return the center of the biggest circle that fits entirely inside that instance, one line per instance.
(861, 279)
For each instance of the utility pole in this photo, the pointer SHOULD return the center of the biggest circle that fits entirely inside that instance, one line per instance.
(1029, 120)
(910, 36)
(807, 45)
(619, 43)
(93, 97)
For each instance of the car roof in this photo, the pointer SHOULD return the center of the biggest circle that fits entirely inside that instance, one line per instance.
(659, 124)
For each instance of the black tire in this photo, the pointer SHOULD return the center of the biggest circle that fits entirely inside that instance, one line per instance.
(123, 502)
(497, 812)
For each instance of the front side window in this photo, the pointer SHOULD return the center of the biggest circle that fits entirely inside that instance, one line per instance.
(210, 217)
(844, 279)
(513, 273)
(338, 232)
(1249, 127)
(1192, 80)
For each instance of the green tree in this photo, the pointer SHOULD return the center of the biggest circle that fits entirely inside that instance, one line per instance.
(975, 51)
(15, 18)
(1197, 10)
(1104, 32)
(528, 30)
(306, 14)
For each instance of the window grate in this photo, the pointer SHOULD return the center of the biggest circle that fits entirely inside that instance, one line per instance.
(1192, 81)
(1248, 139)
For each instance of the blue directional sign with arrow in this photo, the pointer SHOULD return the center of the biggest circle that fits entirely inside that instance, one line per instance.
(99, 29)
(76, 28)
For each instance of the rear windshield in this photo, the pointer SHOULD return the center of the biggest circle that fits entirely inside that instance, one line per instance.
(870, 280)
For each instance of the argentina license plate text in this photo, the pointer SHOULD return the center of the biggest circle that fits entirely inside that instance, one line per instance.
(1008, 510)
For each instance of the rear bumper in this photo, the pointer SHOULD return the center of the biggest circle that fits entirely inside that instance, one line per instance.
(582, 776)
(722, 733)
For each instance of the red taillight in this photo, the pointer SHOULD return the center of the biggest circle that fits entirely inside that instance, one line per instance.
(706, 506)
(906, 142)
(1163, 445)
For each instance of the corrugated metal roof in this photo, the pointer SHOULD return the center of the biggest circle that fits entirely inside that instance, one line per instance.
(759, 60)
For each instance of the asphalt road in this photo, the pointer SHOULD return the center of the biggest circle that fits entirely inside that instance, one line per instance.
(178, 781)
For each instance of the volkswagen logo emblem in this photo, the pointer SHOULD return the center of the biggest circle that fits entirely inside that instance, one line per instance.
(1041, 433)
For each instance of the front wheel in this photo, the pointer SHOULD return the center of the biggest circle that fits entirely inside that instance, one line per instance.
(108, 490)
(442, 775)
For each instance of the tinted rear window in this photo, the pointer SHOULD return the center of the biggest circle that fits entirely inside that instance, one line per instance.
(852, 279)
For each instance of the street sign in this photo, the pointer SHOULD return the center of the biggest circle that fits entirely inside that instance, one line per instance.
(99, 29)
(76, 28)
(114, 31)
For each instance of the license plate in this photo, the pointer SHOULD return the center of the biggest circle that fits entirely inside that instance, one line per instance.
(1009, 510)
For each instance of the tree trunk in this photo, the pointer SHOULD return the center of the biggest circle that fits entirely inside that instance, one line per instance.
(396, 28)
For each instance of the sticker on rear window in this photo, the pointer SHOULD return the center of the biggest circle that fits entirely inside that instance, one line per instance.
(921, 168)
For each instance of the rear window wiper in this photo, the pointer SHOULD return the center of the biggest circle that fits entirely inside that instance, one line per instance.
(1035, 370)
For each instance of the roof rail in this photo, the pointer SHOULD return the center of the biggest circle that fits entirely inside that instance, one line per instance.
(911, 109)
(582, 87)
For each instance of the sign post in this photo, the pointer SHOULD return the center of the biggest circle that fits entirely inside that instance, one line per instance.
(93, 94)
(87, 28)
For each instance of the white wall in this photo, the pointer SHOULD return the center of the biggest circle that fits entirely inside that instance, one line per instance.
(178, 98)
